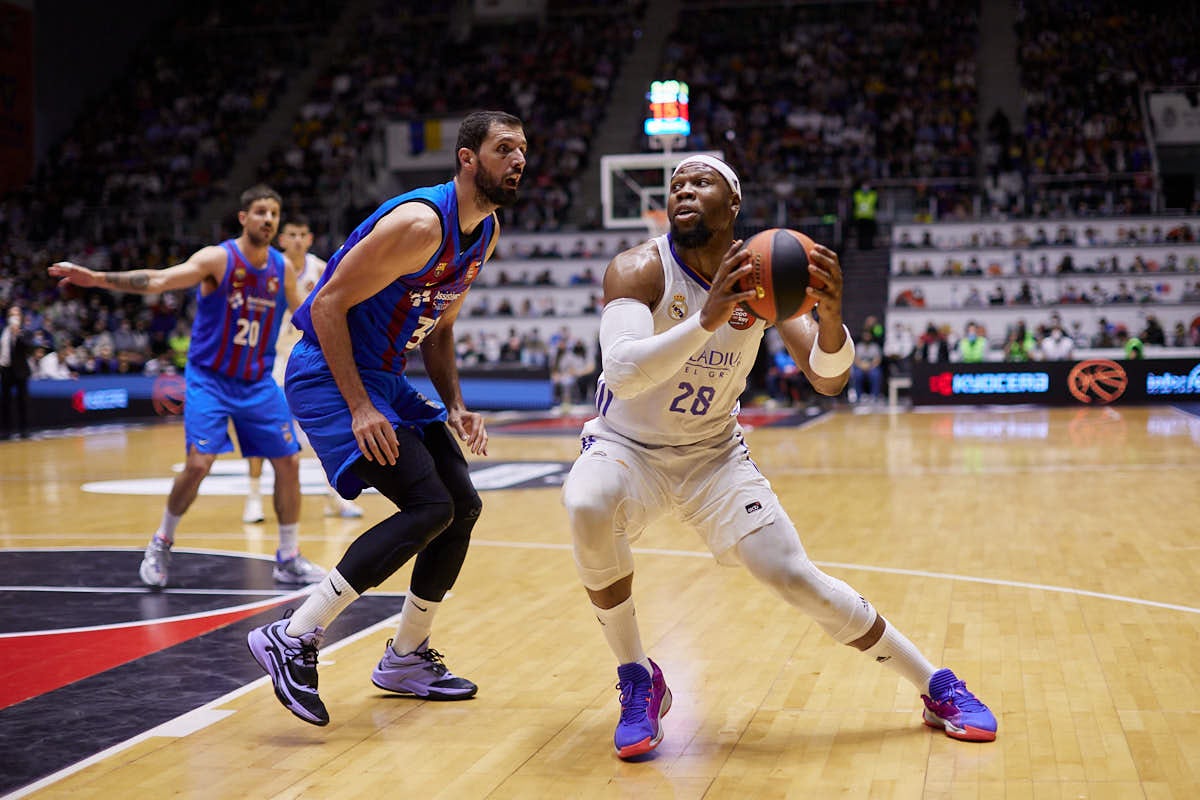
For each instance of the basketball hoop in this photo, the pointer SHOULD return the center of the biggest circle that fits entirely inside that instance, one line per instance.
(656, 221)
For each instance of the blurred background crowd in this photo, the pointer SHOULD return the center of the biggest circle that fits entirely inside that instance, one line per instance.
(834, 113)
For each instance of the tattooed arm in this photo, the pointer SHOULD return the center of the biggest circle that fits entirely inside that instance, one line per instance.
(206, 265)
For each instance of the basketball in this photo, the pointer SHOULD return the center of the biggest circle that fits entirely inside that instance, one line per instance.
(780, 277)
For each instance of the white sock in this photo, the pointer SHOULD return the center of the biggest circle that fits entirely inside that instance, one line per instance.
(166, 528)
(330, 598)
(895, 651)
(416, 621)
(289, 541)
(255, 488)
(621, 630)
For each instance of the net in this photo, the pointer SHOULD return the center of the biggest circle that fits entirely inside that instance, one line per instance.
(655, 220)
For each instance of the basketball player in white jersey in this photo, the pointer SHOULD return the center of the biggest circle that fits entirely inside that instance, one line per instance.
(677, 348)
(295, 240)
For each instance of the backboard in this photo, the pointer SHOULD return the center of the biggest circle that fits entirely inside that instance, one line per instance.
(634, 185)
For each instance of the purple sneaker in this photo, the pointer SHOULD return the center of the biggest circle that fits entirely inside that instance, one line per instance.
(291, 661)
(421, 673)
(645, 700)
(950, 707)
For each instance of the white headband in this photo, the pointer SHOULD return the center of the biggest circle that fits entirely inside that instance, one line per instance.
(720, 166)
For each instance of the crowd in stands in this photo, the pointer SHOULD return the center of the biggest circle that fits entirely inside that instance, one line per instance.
(409, 62)
(787, 91)
(878, 359)
(571, 362)
(1049, 340)
(1083, 65)
(820, 91)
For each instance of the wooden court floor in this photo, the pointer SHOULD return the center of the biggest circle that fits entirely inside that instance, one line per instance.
(1051, 557)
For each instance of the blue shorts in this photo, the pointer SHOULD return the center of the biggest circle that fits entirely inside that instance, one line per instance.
(257, 409)
(319, 407)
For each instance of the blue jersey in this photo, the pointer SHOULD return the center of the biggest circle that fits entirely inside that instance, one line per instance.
(384, 327)
(236, 326)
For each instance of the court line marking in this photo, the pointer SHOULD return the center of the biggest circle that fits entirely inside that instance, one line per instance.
(273, 596)
(915, 573)
(173, 727)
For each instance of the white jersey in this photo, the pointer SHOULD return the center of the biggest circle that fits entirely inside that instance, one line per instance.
(306, 281)
(700, 400)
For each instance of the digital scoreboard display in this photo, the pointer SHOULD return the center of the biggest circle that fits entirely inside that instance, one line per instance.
(668, 110)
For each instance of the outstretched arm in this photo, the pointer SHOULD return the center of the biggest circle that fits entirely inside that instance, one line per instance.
(207, 263)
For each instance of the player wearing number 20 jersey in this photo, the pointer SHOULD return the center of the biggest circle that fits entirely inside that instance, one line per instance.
(237, 325)
(231, 357)
(383, 329)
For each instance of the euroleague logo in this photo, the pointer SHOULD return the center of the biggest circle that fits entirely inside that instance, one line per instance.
(167, 394)
(1097, 380)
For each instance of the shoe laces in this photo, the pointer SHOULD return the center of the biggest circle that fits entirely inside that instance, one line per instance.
(964, 700)
(635, 703)
(435, 659)
(306, 653)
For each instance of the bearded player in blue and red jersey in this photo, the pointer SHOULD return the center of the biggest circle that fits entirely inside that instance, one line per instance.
(397, 284)
(243, 286)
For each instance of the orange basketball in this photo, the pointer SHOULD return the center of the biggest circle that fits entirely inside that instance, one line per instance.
(780, 278)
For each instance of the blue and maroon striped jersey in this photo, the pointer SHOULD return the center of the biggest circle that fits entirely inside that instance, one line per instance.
(236, 326)
(385, 326)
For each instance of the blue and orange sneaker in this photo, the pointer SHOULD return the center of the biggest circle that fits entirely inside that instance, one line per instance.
(951, 707)
(645, 700)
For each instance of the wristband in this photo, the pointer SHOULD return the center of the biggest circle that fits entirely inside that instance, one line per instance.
(832, 365)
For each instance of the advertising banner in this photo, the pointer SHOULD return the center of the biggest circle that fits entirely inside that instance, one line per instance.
(1175, 117)
(1089, 382)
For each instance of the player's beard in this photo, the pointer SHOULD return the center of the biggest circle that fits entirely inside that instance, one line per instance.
(494, 192)
(259, 239)
(696, 237)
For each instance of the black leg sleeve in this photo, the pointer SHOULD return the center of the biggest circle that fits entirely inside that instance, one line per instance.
(437, 566)
(426, 508)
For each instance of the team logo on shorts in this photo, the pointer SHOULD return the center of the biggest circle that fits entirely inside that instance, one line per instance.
(753, 506)
(678, 309)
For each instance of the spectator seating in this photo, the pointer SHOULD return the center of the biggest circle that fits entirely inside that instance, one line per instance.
(1097, 278)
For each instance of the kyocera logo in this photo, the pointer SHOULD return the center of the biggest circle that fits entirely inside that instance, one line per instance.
(947, 383)
(100, 400)
(942, 383)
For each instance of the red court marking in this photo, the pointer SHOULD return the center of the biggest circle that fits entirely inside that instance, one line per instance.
(38, 663)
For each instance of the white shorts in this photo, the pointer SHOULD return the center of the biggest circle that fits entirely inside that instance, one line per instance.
(713, 486)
